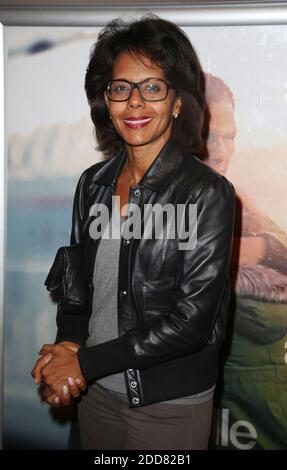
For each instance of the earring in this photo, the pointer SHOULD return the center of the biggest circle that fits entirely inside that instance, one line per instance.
(110, 117)
(175, 115)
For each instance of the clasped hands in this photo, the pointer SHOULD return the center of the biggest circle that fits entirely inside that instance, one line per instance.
(59, 372)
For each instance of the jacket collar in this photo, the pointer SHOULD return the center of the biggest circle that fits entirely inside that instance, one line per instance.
(157, 176)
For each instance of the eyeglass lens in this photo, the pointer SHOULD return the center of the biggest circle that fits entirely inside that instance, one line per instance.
(151, 90)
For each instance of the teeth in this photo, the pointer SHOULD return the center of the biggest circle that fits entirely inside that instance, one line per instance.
(138, 121)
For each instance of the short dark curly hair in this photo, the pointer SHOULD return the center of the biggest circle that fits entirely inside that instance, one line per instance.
(166, 45)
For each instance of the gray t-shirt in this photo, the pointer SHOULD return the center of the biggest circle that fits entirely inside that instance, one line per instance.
(103, 325)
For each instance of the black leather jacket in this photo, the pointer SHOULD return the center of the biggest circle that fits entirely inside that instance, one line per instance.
(172, 304)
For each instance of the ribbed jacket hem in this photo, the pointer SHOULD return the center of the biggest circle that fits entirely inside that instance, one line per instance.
(106, 358)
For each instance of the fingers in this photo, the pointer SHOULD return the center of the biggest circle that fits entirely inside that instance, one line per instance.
(47, 348)
(65, 396)
(81, 383)
(69, 390)
(36, 372)
(73, 387)
(69, 345)
(76, 385)
(46, 353)
(49, 397)
(46, 392)
(54, 401)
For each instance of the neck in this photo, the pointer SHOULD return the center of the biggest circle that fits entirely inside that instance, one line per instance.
(140, 158)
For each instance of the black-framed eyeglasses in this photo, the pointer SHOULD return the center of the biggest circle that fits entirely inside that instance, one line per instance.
(150, 89)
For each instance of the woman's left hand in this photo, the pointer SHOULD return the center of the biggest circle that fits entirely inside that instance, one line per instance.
(37, 369)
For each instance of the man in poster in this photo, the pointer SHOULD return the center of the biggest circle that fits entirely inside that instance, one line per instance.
(253, 395)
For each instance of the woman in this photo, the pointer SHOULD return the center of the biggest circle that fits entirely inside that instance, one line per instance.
(148, 343)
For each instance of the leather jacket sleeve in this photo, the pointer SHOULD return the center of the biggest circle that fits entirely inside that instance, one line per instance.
(203, 276)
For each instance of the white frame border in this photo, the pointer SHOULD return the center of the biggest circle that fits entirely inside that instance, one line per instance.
(197, 14)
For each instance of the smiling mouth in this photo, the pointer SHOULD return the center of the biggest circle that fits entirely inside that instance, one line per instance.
(135, 123)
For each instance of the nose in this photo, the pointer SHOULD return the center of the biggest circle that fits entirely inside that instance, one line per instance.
(220, 143)
(135, 100)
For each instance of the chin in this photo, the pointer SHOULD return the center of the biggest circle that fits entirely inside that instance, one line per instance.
(136, 141)
(220, 170)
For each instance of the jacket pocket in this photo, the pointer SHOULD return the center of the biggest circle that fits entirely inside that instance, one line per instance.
(159, 294)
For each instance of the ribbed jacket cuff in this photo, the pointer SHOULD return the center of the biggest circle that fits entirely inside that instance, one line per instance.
(106, 358)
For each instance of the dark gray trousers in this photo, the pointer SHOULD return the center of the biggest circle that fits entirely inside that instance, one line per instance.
(107, 422)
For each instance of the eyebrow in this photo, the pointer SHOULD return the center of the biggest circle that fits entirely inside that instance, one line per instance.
(130, 81)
